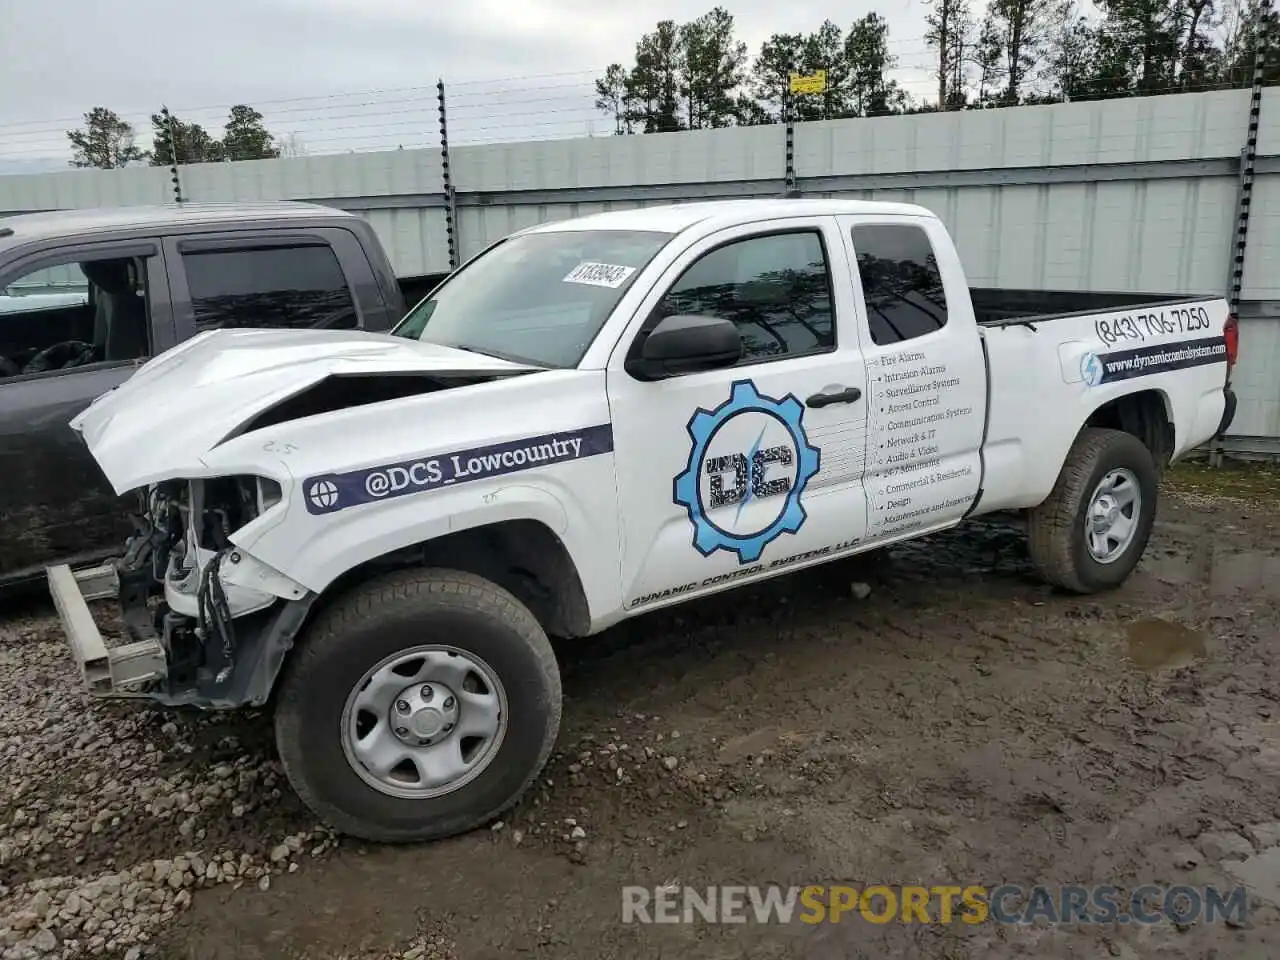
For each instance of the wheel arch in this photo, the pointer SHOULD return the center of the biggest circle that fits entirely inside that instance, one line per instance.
(1145, 414)
(522, 555)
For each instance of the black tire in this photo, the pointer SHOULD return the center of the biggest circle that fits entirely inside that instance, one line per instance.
(1056, 528)
(374, 621)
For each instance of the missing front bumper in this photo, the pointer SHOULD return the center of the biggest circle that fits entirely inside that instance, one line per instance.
(133, 669)
(163, 660)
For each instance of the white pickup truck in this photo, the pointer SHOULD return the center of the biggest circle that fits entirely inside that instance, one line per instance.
(589, 420)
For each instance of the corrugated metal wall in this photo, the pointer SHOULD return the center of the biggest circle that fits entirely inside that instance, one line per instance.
(1137, 233)
(413, 235)
(1122, 195)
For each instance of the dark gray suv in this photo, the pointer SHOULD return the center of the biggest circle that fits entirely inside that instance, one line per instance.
(87, 296)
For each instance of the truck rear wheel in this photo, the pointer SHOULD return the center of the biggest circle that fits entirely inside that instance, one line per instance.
(418, 706)
(1092, 530)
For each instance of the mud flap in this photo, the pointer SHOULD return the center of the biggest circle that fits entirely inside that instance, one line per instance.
(1228, 412)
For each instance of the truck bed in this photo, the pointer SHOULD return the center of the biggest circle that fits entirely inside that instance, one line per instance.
(995, 307)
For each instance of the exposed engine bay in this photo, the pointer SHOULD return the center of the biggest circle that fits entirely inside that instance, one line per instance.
(178, 582)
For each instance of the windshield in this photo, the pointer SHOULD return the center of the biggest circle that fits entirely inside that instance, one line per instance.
(539, 298)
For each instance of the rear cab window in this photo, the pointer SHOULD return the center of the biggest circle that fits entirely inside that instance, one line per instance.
(298, 287)
(902, 286)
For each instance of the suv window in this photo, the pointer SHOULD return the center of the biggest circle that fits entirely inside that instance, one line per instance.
(296, 287)
(62, 317)
(64, 284)
(901, 284)
(776, 288)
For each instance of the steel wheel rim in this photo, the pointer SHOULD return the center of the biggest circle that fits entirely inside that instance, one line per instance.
(424, 722)
(1112, 518)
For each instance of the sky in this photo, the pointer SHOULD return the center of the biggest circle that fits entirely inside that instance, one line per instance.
(340, 75)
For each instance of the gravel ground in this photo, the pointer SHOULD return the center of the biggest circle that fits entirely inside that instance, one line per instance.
(931, 714)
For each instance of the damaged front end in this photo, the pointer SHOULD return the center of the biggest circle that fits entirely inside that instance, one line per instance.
(204, 624)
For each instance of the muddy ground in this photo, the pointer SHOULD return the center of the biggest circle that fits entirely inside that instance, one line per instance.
(960, 724)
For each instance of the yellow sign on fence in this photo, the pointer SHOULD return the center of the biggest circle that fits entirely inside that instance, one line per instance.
(815, 82)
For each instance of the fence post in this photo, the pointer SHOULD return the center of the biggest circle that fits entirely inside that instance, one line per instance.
(450, 205)
(1248, 159)
(1244, 190)
(790, 188)
(172, 140)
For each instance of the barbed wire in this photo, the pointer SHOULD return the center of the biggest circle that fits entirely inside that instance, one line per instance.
(424, 139)
(461, 93)
(534, 107)
(457, 106)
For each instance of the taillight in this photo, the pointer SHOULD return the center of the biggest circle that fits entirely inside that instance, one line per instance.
(1231, 333)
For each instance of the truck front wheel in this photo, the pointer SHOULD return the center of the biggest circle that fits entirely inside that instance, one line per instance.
(418, 706)
(1092, 530)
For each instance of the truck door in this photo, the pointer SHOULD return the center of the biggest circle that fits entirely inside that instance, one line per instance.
(74, 323)
(927, 377)
(730, 474)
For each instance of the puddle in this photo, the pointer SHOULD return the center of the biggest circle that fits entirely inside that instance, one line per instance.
(1163, 645)
(1223, 573)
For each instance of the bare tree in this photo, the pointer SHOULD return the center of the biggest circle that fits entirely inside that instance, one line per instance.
(291, 146)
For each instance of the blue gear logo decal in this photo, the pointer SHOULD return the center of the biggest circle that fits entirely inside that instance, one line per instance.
(746, 473)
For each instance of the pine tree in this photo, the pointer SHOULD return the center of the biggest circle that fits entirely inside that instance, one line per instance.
(194, 143)
(612, 97)
(105, 142)
(866, 52)
(653, 85)
(949, 29)
(712, 67)
(246, 138)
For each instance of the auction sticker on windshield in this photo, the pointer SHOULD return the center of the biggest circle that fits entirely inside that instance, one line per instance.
(611, 275)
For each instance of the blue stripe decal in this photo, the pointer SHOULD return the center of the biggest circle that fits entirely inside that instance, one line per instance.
(1099, 368)
(330, 492)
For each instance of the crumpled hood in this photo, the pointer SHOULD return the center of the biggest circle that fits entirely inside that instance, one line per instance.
(161, 421)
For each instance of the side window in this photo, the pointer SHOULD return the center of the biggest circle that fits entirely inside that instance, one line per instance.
(64, 316)
(901, 283)
(776, 288)
(63, 285)
(298, 287)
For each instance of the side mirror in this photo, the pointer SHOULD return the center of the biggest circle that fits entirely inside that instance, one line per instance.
(685, 344)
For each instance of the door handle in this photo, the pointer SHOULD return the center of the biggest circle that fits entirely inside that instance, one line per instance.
(851, 395)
